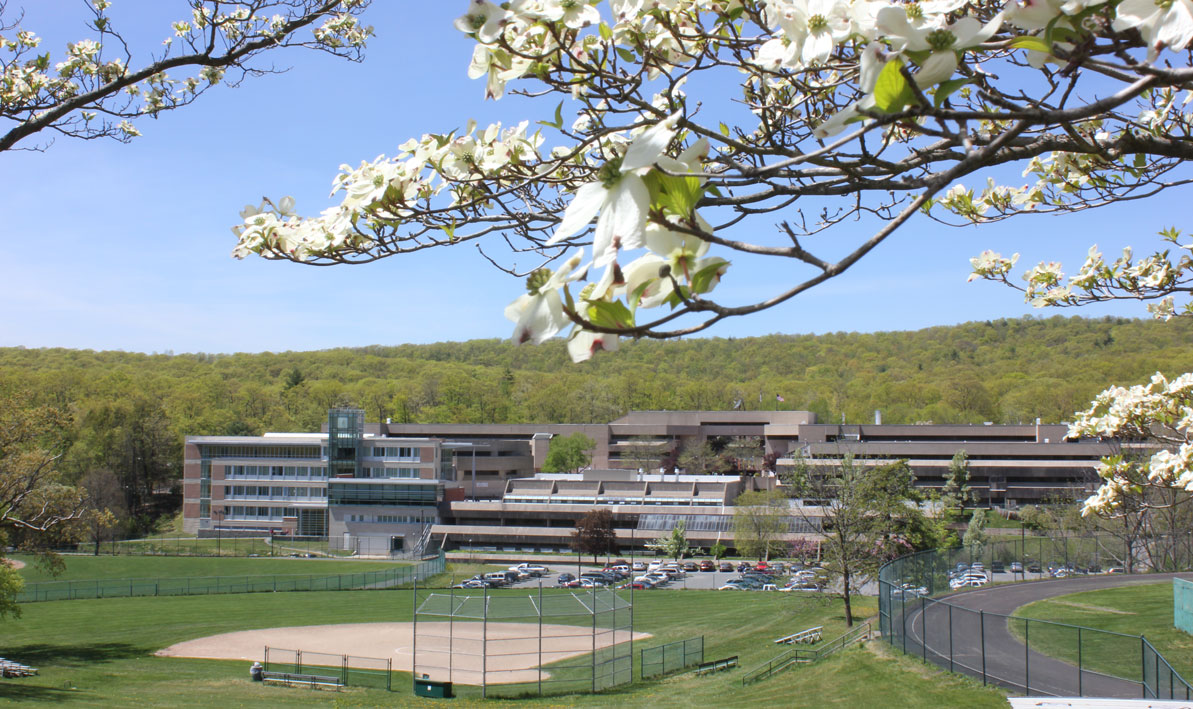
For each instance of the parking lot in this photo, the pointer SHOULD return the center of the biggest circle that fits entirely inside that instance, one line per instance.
(696, 580)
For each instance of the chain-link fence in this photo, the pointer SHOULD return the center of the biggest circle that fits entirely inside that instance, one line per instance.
(671, 657)
(1024, 655)
(350, 670)
(206, 585)
(513, 643)
(239, 544)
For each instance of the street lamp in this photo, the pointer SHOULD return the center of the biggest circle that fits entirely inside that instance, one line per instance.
(218, 514)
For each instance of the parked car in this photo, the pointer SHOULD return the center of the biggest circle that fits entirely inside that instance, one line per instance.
(604, 578)
(707, 565)
(1016, 567)
(1033, 567)
(908, 590)
(565, 578)
(639, 566)
(1116, 570)
(725, 567)
(997, 567)
(690, 566)
(497, 578)
(532, 569)
(968, 580)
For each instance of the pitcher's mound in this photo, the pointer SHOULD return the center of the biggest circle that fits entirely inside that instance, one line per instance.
(459, 652)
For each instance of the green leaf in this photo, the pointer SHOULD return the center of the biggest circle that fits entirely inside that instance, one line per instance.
(636, 297)
(558, 122)
(450, 230)
(891, 92)
(613, 315)
(946, 89)
(724, 130)
(626, 55)
(703, 280)
(606, 33)
(1031, 42)
(651, 179)
(679, 194)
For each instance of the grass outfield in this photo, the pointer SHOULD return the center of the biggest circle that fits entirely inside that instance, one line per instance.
(1133, 610)
(100, 653)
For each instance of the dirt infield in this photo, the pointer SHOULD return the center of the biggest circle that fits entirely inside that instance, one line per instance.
(13, 563)
(513, 649)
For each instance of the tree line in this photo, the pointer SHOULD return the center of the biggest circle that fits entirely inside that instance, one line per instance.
(126, 413)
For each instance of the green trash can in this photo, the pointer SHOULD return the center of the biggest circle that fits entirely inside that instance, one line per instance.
(433, 689)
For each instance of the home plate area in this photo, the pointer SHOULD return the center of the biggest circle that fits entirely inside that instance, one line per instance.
(462, 652)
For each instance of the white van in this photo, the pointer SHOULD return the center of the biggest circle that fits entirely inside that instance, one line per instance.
(497, 578)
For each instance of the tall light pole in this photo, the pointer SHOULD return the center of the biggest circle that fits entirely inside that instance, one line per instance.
(218, 514)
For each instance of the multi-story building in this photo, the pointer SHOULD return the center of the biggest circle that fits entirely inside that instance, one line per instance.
(394, 485)
(357, 490)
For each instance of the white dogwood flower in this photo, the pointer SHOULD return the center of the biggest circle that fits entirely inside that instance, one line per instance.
(538, 314)
(619, 195)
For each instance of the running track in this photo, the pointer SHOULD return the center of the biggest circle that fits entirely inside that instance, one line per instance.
(1007, 661)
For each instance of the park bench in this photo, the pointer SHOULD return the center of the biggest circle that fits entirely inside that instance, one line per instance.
(717, 665)
(809, 636)
(306, 680)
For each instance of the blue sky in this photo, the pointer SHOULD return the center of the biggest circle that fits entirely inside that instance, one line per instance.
(111, 246)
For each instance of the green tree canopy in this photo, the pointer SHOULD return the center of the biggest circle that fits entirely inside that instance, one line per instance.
(759, 520)
(569, 454)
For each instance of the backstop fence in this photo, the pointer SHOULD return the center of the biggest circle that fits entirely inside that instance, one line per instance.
(672, 657)
(395, 577)
(1025, 655)
(350, 670)
(524, 641)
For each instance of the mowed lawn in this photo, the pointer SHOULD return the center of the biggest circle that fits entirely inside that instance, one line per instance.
(1132, 610)
(100, 652)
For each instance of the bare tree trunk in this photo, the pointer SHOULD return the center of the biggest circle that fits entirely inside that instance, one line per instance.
(848, 607)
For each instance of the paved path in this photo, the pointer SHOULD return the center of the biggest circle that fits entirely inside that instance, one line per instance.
(981, 614)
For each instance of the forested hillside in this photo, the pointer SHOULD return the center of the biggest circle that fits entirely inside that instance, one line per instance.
(130, 411)
(1003, 371)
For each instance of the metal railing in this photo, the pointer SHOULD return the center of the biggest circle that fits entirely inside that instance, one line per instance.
(796, 656)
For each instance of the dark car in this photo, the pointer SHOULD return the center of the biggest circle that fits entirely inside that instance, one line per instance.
(726, 567)
(565, 578)
(997, 567)
(1033, 567)
(707, 565)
